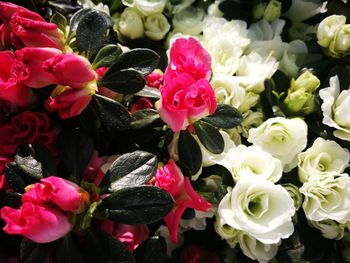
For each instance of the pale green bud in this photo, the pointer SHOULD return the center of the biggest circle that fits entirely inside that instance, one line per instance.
(259, 11)
(328, 28)
(272, 11)
(295, 194)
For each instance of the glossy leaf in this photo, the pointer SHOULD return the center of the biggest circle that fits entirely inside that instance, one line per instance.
(107, 56)
(138, 205)
(190, 154)
(32, 252)
(225, 117)
(210, 137)
(143, 118)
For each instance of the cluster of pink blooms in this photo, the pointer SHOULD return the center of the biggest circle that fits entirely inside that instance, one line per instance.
(38, 61)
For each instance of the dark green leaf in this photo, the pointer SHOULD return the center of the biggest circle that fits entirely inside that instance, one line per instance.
(130, 169)
(112, 114)
(75, 150)
(143, 118)
(11, 199)
(104, 248)
(125, 81)
(149, 92)
(210, 137)
(32, 252)
(141, 60)
(189, 152)
(91, 32)
(225, 117)
(107, 56)
(15, 177)
(138, 205)
(152, 250)
(67, 251)
(60, 21)
(77, 17)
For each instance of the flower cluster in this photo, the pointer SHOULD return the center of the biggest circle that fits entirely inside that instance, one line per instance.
(176, 131)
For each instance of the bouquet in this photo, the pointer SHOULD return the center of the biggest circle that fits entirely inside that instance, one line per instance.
(175, 131)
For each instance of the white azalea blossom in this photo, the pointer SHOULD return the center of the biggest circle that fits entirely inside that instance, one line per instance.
(259, 208)
(256, 250)
(322, 158)
(305, 9)
(189, 21)
(227, 90)
(250, 100)
(156, 26)
(336, 108)
(283, 138)
(328, 28)
(329, 229)
(251, 119)
(146, 7)
(174, 8)
(327, 197)
(252, 163)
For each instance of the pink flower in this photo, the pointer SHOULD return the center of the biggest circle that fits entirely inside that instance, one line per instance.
(38, 223)
(29, 29)
(188, 56)
(70, 70)
(155, 79)
(33, 59)
(130, 235)
(27, 127)
(12, 91)
(171, 179)
(57, 191)
(184, 101)
(69, 102)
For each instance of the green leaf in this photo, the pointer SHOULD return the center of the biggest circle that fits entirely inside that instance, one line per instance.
(143, 118)
(77, 17)
(210, 137)
(11, 199)
(67, 251)
(138, 205)
(107, 56)
(91, 32)
(104, 248)
(125, 81)
(32, 252)
(152, 250)
(225, 117)
(113, 115)
(149, 92)
(60, 21)
(130, 169)
(189, 152)
(142, 60)
(71, 144)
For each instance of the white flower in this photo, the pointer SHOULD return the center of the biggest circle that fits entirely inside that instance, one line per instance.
(234, 30)
(293, 54)
(259, 208)
(213, 9)
(327, 198)
(336, 108)
(130, 24)
(330, 229)
(209, 158)
(251, 119)
(156, 26)
(224, 53)
(146, 7)
(199, 220)
(174, 7)
(226, 232)
(189, 21)
(283, 138)
(322, 158)
(256, 250)
(252, 163)
(340, 44)
(227, 90)
(249, 101)
(304, 9)
(328, 28)
(253, 69)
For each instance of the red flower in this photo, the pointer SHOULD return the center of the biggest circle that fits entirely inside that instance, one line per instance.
(29, 29)
(12, 90)
(155, 79)
(3, 162)
(27, 127)
(142, 103)
(171, 179)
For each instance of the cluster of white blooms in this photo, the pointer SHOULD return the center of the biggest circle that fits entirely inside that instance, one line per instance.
(326, 188)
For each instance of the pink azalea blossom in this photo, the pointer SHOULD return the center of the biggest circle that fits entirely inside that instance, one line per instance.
(38, 223)
(171, 179)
